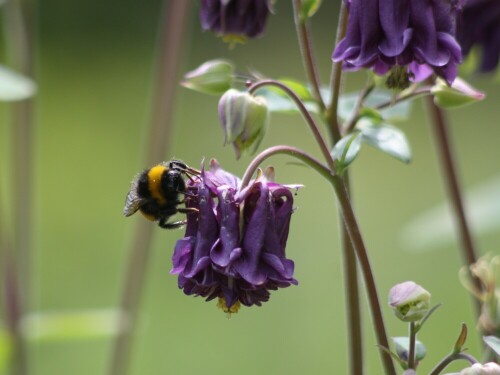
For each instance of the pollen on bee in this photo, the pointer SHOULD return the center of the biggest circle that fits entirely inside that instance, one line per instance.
(221, 304)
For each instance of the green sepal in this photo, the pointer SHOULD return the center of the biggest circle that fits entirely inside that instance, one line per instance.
(457, 348)
(213, 77)
(402, 345)
(308, 9)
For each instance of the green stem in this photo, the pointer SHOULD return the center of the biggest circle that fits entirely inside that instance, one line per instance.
(448, 169)
(352, 229)
(285, 150)
(424, 90)
(353, 309)
(306, 50)
(303, 110)
(450, 358)
(335, 79)
(351, 123)
(170, 44)
(413, 339)
(364, 262)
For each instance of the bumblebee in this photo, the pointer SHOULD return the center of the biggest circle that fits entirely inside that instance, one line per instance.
(155, 193)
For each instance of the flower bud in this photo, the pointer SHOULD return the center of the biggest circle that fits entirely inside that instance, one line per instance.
(244, 119)
(489, 368)
(458, 94)
(409, 301)
(235, 20)
(212, 77)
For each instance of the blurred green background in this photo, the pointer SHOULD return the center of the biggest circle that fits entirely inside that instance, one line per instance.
(95, 66)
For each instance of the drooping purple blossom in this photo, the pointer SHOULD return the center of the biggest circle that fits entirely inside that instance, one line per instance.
(235, 18)
(234, 246)
(415, 34)
(479, 25)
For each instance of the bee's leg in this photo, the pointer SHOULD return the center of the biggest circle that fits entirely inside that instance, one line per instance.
(176, 224)
(188, 210)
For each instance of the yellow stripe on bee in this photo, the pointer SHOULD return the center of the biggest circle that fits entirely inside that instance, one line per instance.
(154, 182)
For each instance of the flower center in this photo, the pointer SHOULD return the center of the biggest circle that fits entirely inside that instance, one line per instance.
(399, 78)
(221, 304)
(234, 39)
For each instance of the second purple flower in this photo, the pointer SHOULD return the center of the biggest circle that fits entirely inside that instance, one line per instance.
(414, 35)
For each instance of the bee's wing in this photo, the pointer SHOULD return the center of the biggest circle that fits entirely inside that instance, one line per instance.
(133, 202)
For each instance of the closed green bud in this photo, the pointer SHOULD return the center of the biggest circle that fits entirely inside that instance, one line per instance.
(212, 77)
(409, 301)
(460, 93)
(244, 119)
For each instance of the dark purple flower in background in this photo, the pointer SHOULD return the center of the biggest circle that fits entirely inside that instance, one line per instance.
(235, 20)
(416, 35)
(234, 246)
(480, 25)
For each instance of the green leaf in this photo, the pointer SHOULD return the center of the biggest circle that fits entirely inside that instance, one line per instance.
(14, 86)
(396, 112)
(278, 103)
(5, 349)
(493, 342)
(299, 88)
(402, 345)
(309, 8)
(346, 150)
(72, 325)
(386, 138)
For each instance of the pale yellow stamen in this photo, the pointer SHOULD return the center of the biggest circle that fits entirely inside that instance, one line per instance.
(221, 304)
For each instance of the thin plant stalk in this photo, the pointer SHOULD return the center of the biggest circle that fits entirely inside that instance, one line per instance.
(170, 44)
(354, 235)
(353, 308)
(413, 339)
(18, 248)
(439, 125)
(335, 79)
(306, 49)
(351, 282)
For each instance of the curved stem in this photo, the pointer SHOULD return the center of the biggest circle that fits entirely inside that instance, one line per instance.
(173, 22)
(286, 150)
(335, 79)
(306, 50)
(352, 229)
(448, 170)
(424, 90)
(309, 119)
(351, 123)
(450, 358)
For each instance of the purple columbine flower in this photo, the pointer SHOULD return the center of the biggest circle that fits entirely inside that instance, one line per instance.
(414, 35)
(480, 25)
(234, 246)
(235, 20)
